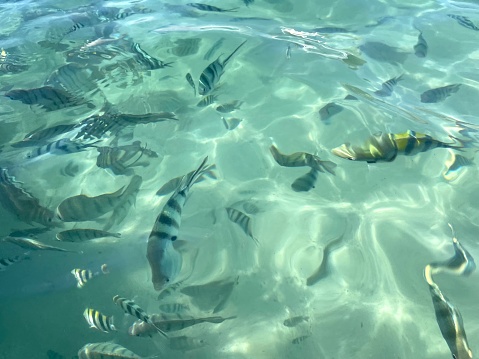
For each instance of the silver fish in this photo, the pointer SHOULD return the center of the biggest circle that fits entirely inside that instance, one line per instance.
(106, 351)
(173, 307)
(165, 261)
(229, 107)
(242, 220)
(81, 235)
(464, 21)
(439, 94)
(186, 47)
(146, 60)
(82, 276)
(85, 208)
(29, 243)
(185, 343)
(306, 182)
(206, 7)
(7, 262)
(211, 75)
(324, 268)
(213, 48)
(294, 321)
(47, 97)
(62, 146)
(421, 47)
(38, 136)
(99, 321)
(130, 307)
(231, 123)
(207, 100)
(121, 159)
(191, 82)
(387, 87)
(301, 159)
(329, 110)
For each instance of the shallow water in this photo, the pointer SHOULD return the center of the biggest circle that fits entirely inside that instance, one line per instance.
(372, 301)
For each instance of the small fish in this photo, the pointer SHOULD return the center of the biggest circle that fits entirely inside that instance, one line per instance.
(288, 52)
(173, 307)
(439, 94)
(294, 321)
(7, 262)
(211, 75)
(39, 135)
(130, 307)
(454, 166)
(185, 343)
(106, 351)
(99, 321)
(186, 47)
(300, 339)
(301, 159)
(388, 87)
(231, 123)
(49, 98)
(191, 82)
(82, 276)
(386, 147)
(121, 159)
(173, 183)
(148, 61)
(205, 7)
(420, 49)
(324, 268)
(464, 21)
(229, 107)
(306, 182)
(61, 147)
(329, 110)
(29, 243)
(207, 100)
(81, 235)
(213, 48)
(242, 220)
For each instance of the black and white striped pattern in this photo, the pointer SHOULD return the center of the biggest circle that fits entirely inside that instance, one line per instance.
(84, 234)
(82, 276)
(146, 60)
(99, 321)
(49, 98)
(206, 7)
(207, 100)
(210, 76)
(387, 87)
(106, 351)
(306, 182)
(464, 21)
(7, 262)
(439, 94)
(242, 220)
(61, 147)
(191, 82)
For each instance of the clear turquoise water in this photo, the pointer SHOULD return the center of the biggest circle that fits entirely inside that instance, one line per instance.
(374, 302)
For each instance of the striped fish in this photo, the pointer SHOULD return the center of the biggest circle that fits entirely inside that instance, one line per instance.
(324, 268)
(146, 60)
(329, 110)
(99, 321)
(464, 21)
(106, 351)
(306, 182)
(121, 159)
(301, 159)
(186, 47)
(47, 97)
(207, 100)
(185, 343)
(85, 208)
(421, 47)
(130, 307)
(12, 68)
(213, 48)
(191, 82)
(211, 75)
(81, 235)
(29, 243)
(229, 107)
(7, 262)
(165, 261)
(82, 276)
(300, 339)
(385, 147)
(242, 220)
(439, 94)
(231, 122)
(173, 307)
(387, 87)
(62, 146)
(173, 183)
(40, 135)
(206, 7)
(294, 321)
(22, 204)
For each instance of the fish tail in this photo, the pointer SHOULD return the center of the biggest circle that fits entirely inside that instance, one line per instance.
(190, 180)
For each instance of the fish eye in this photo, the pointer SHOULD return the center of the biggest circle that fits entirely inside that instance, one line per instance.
(173, 238)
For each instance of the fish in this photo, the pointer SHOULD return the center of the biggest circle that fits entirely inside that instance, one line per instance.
(302, 159)
(126, 201)
(213, 48)
(324, 268)
(186, 47)
(8, 261)
(464, 21)
(306, 182)
(173, 183)
(12, 68)
(121, 159)
(62, 146)
(81, 235)
(211, 75)
(387, 87)
(32, 244)
(207, 100)
(329, 110)
(421, 47)
(242, 220)
(164, 260)
(191, 82)
(146, 60)
(173, 307)
(28, 232)
(47, 97)
(106, 351)
(231, 123)
(82, 276)
(454, 166)
(386, 146)
(205, 7)
(229, 107)
(185, 343)
(23, 204)
(300, 339)
(130, 307)
(85, 208)
(294, 321)
(99, 321)
(439, 94)
(40, 135)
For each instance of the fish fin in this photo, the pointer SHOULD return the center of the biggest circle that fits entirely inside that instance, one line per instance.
(189, 180)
